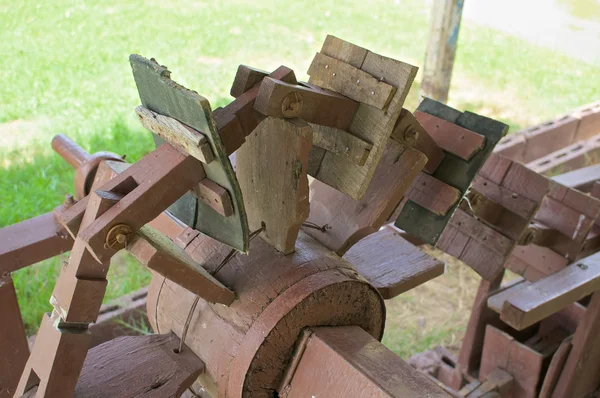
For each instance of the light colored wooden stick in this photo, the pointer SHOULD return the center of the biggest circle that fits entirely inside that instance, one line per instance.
(177, 134)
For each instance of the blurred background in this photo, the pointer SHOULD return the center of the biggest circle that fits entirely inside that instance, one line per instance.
(64, 69)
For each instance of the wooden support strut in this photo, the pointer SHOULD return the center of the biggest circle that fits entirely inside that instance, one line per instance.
(80, 288)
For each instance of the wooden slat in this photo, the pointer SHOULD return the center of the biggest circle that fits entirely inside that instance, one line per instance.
(314, 105)
(350, 220)
(348, 52)
(453, 170)
(391, 264)
(518, 204)
(140, 366)
(535, 262)
(496, 167)
(555, 368)
(497, 382)
(14, 350)
(433, 194)
(32, 241)
(341, 143)
(371, 124)
(158, 253)
(346, 361)
(481, 232)
(526, 182)
(238, 118)
(451, 137)
(530, 302)
(580, 373)
(56, 350)
(272, 170)
(496, 301)
(410, 133)
(177, 134)
(350, 81)
(582, 179)
(246, 77)
(470, 351)
(215, 197)
(564, 219)
(523, 363)
(498, 217)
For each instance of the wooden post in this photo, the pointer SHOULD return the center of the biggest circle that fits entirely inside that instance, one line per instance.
(439, 57)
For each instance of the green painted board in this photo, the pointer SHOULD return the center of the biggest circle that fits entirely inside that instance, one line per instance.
(162, 95)
(454, 171)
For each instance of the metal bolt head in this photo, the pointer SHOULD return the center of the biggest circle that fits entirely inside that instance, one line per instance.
(117, 237)
(292, 105)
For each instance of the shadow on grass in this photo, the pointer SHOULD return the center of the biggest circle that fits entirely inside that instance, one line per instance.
(35, 182)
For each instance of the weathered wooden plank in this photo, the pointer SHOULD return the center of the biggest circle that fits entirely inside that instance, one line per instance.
(495, 167)
(453, 170)
(162, 95)
(56, 360)
(410, 133)
(32, 241)
(433, 194)
(510, 200)
(275, 187)
(14, 350)
(481, 232)
(341, 143)
(357, 365)
(470, 351)
(215, 197)
(529, 303)
(555, 368)
(352, 82)
(158, 253)
(564, 219)
(580, 373)
(246, 77)
(177, 134)
(350, 220)
(370, 124)
(498, 383)
(391, 264)
(314, 105)
(451, 137)
(496, 301)
(497, 216)
(581, 179)
(520, 361)
(342, 50)
(139, 366)
(535, 262)
(526, 182)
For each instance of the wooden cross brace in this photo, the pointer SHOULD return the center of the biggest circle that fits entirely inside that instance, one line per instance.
(113, 218)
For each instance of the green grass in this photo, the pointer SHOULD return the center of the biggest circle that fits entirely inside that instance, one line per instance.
(65, 70)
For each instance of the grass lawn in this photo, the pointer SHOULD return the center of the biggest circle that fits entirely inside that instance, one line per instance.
(65, 70)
